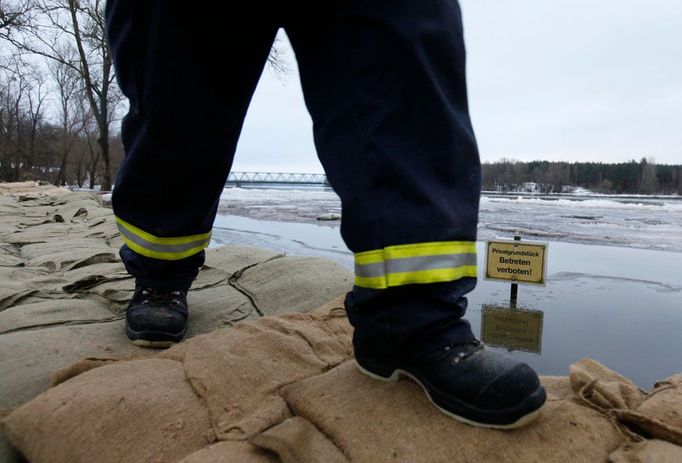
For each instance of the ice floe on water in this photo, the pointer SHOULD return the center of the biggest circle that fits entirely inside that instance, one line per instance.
(640, 223)
(631, 221)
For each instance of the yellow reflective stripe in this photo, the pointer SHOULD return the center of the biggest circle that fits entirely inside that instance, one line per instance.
(369, 257)
(418, 277)
(401, 251)
(163, 255)
(430, 249)
(158, 240)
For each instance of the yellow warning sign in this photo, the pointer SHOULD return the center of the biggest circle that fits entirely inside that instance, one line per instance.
(516, 261)
(515, 329)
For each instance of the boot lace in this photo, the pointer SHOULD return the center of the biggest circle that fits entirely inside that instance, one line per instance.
(160, 296)
(463, 354)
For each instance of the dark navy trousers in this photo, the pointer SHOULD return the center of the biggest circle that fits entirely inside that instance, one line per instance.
(384, 82)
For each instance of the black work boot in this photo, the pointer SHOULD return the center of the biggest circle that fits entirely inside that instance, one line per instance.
(418, 331)
(156, 317)
(466, 381)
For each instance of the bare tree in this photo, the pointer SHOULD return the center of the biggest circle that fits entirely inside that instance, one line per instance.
(93, 154)
(12, 16)
(22, 97)
(12, 91)
(72, 33)
(35, 102)
(70, 114)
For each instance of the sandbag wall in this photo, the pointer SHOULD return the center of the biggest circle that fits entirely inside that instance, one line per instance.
(285, 388)
(63, 288)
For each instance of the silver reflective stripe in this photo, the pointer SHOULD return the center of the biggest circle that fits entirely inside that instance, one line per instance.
(171, 248)
(415, 264)
(376, 269)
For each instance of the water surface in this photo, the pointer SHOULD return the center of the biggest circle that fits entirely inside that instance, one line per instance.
(621, 306)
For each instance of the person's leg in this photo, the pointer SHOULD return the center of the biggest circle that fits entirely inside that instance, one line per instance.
(384, 81)
(189, 80)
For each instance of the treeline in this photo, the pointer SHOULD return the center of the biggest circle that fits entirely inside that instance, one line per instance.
(33, 147)
(58, 97)
(643, 177)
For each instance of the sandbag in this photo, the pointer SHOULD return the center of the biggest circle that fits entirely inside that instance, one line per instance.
(28, 358)
(604, 388)
(136, 411)
(9, 256)
(8, 454)
(233, 373)
(69, 254)
(294, 284)
(369, 420)
(297, 441)
(650, 451)
(41, 233)
(81, 208)
(238, 371)
(17, 188)
(660, 415)
(231, 452)
(16, 283)
(233, 259)
(12, 292)
(217, 307)
(8, 205)
(53, 312)
(80, 367)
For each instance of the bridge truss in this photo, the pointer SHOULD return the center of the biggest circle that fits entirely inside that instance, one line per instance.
(240, 178)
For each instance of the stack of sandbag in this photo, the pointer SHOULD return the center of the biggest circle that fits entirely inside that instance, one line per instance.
(63, 288)
(217, 387)
(285, 388)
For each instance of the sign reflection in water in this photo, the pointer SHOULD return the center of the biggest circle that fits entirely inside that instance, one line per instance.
(513, 329)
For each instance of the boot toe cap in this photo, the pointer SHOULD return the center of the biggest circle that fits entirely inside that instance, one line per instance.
(510, 389)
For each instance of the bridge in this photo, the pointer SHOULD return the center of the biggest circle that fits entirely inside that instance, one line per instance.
(275, 178)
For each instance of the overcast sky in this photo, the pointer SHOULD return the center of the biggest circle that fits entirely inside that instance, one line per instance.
(577, 80)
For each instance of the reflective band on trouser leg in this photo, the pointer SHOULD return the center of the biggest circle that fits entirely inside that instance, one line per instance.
(415, 263)
(148, 245)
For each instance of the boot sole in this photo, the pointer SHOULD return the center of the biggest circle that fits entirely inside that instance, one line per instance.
(520, 422)
(153, 344)
(154, 339)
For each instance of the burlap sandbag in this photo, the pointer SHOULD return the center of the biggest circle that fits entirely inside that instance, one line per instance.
(52, 312)
(80, 367)
(651, 451)
(16, 188)
(603, 388)
(231, 452)
(29, 358)
(660, 415)
(68, 254)
(136, 411)
(238, 371)
(9, 255)
(368, 420)
(296, 440)
(293, 284)
(232, 259)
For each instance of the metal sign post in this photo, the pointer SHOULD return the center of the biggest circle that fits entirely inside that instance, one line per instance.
(514, 286)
